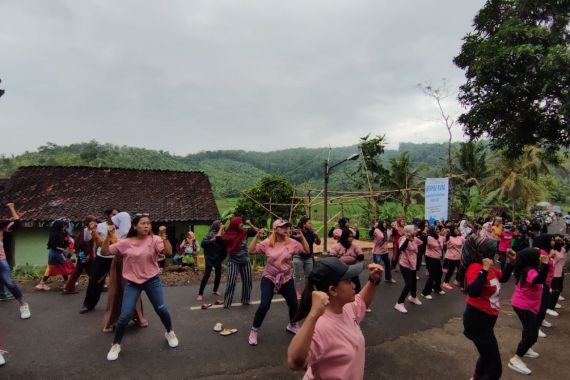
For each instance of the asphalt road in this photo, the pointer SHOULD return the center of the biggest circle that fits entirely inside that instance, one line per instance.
(58, 342)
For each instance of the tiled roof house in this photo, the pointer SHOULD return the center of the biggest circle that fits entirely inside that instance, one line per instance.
(178, 199)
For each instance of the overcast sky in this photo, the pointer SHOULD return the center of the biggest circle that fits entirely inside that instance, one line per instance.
(185, 76)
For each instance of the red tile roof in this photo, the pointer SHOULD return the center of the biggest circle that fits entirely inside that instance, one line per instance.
(45, 193)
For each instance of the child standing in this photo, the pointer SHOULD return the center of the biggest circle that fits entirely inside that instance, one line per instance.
(530, 270)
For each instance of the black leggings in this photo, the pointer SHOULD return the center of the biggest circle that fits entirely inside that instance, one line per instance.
(557, 286)
(433, 282)
(479, 328)
(544, 302)
(410, 283)
(530, 324)
(287, 290)
(217, 266)
(449, 268)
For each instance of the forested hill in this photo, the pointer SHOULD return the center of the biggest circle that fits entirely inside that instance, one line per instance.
(230, 171)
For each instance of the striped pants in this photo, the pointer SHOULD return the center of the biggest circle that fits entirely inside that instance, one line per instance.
(245, 274)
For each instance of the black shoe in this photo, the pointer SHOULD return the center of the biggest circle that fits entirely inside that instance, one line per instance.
(84, 310)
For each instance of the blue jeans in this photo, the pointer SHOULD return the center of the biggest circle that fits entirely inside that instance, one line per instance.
(153, 290)
(302, 267)
(8, 281)
(383, 258)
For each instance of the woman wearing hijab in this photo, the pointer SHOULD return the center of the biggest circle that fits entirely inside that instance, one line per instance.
(348, 253)
(235, 240)
(482, 286)
(214, 253)
(58, 265)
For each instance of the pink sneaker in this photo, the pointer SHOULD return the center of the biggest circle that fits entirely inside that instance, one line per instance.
(400, 307)
(447, 286)
(252, 338)
(41, 286)
(292, 328)
(414, 300)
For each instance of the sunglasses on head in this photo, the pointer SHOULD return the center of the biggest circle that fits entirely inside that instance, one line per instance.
(142, 214)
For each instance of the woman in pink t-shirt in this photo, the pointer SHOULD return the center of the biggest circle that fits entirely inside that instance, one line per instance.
(558, 279)
(141, 251)
(330, 344)
(348, 252)
(530, 271)
(277, 277)
(380, 254)
(452, 256)
(434, 251)
(408, 248)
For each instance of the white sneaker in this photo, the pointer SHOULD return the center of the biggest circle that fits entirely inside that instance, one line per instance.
(414, 300)
(369, 310)
(531, 354)
(441, 292)
(25, 311)
(171, 338)
(428, 297)
(552, 313)
(401, 308)
(541, 334)
(545, 323)
(517, 365)
(558, 306)
(560, 298)
(114, 352)
(2, 360)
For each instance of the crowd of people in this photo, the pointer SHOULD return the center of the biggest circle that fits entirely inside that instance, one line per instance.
(124, 253)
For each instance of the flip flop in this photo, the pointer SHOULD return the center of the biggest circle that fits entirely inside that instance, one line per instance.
(226, 332)
(206, 305)
(219, 302)
(218, 327)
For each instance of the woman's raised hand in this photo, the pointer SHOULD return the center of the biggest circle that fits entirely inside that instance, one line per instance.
(376, 271)
(320, 300)
(487, 264)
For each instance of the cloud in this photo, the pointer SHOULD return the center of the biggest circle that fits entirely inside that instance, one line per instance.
(257, 75)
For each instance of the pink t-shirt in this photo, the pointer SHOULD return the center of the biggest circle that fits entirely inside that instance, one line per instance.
(139, 257)
(337, 349)
(409, 258)
(434, 247)
(279, 259)
(347, 256)
(505, 240)
(551, 269)
(454, 245)
(380, 242)
(527, 297)
(559, 262)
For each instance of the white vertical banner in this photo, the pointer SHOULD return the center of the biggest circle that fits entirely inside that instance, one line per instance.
(437, 195)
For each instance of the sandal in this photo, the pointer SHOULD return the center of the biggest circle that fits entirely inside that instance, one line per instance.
(219, 302)
(218, 327)
(226, 332)
(206, 305)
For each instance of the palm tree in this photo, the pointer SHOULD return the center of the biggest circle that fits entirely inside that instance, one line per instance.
(517, 179)
(405, 178)
(471, 164)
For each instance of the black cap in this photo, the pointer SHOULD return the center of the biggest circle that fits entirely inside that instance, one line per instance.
(331, 270)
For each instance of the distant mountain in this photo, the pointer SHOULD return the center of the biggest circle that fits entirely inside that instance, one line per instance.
(230, 171)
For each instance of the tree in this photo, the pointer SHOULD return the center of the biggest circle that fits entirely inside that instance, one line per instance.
(517, 64)
(370, 173)
(439, 95)
(471, 163)
(405, 179)
(270, 193)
